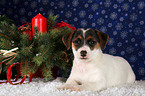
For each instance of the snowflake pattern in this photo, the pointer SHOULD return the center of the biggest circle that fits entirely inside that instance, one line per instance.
(122, 20)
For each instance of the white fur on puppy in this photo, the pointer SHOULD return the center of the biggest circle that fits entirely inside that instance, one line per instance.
(96, 70)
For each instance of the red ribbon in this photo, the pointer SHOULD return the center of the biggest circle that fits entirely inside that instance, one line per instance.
(64, 24)
(9, 75)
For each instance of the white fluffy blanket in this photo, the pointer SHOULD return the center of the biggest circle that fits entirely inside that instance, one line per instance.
(39, 87)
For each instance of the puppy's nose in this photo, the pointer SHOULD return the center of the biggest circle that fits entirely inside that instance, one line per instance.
(83, 53)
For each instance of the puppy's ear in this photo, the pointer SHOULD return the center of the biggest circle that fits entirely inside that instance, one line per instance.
(67, 39)
(103, 37)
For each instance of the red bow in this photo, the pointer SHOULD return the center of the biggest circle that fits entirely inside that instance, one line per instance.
(64, 24)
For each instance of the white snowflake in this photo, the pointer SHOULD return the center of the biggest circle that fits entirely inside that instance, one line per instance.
(120, 1)
(68, 14)
(130, 30)
(141, 71)
(33, 4)
(26, 3)
(106, 16)
(111, 41)
(94, 7)
(41, 9)
(86, 5)
(90, 1)
(50, 11)
(61, 4)
(141, 22)
(97, 13)
(103, 11)
(125, 6)
(101, 3)
(119, 26)
(133, 17)
(29, 13)
(45, 2)
(93, 24)
(9, 3)
(140, 12)
(103, 29)
(114, 33)
(74, 9)
(75, 19)
(84, 23)
(119, 10)
(142, 44)
(22, 11)
(140, 53)
(123, 34)
(121, 19)
(130, 0)
(122, 53)
(107, 3)
(115, 6)
(75, 3)
(126, 14)
(100, 21)
(82, 13)
(132, 39)
(137, 31)
(61, 11)
(90, 16)
(112, 51)
(52, 3)
(141, 5)
(129, 49)
(14, 1)
(133, 58)
(119, 44)
(109, 24)
(113, 16)
(130, 25)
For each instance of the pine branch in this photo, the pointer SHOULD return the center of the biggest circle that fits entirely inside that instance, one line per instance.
(13, 34)
(43, 54)
(2, 35)
(11, 60)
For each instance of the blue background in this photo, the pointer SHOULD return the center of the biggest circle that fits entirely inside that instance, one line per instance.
(123, 20)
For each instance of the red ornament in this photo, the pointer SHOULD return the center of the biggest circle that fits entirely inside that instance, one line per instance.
(29, 33)
(25, 28)
(40, 22)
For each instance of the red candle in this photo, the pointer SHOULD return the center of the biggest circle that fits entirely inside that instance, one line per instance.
(40, 22)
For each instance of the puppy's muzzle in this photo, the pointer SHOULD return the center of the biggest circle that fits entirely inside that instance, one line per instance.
(83, 53)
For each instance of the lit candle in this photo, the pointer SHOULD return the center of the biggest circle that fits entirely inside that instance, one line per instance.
(40, 22)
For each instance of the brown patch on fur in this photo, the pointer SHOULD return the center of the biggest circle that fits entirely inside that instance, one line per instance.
(103, 38)
(67, 39)
(73, 45)
(78, 37)
(97, 45)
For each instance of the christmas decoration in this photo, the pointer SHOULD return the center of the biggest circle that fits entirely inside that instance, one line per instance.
(41, 52)
(40, 22)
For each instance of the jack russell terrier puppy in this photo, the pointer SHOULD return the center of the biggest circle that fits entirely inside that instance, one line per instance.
(93, 70)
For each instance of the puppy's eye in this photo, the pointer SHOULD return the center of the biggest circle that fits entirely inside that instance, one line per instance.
(92, 42)
(76, 42)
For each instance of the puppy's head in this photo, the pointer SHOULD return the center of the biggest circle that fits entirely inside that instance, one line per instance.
(85, 43)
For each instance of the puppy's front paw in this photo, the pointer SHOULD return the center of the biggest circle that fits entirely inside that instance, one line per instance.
(75, 88)
(63, 87)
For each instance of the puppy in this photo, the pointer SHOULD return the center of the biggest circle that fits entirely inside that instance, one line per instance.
(93, 70)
